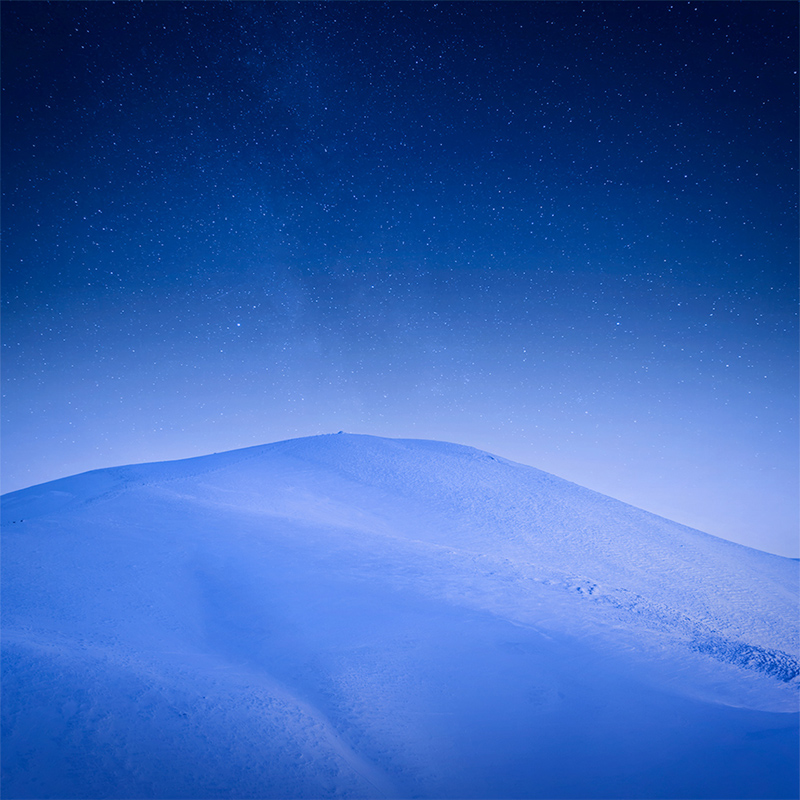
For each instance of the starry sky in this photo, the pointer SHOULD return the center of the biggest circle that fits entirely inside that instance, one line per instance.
(562, 232)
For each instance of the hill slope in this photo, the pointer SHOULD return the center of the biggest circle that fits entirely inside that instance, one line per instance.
(349, 616)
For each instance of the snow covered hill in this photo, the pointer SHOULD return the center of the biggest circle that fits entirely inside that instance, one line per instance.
(350, 616)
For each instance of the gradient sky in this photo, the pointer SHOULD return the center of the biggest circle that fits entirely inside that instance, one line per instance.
(565, 233)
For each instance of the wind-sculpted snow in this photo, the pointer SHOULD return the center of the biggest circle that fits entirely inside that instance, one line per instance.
(348, 616)
(771, 662)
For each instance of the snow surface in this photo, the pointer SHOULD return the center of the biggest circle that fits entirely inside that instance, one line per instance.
(350, 616)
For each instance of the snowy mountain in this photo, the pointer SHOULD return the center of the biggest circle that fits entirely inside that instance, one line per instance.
(350, 616)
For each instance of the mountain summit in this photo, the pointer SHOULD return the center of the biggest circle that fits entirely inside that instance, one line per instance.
(351, 616)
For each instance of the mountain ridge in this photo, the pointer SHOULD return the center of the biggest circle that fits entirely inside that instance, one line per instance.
(375, 593)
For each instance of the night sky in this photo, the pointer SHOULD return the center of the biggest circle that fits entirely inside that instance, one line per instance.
(565, 233)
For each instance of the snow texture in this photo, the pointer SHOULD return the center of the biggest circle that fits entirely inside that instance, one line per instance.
(350, 616)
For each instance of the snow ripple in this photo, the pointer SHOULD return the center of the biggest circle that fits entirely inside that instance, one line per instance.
(774, 663)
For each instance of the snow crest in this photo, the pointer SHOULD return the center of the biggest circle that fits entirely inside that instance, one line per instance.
(350, 616)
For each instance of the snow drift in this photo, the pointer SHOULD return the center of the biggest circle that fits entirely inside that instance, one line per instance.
(350, 616)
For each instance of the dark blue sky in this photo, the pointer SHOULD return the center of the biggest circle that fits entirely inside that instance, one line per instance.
(562, 232)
